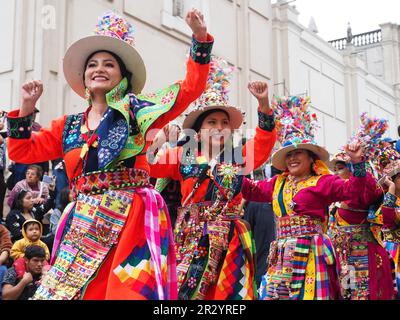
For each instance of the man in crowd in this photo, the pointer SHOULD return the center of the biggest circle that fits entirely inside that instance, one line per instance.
(15, 288)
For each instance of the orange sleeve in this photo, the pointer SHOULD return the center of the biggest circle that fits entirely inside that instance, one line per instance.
(191, 88)
(36, 147)
(258, 149)
(166, 164)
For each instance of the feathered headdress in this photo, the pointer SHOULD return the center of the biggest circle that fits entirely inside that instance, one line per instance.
(294, 122)
(216, 95)
(296, 127)
(377, 151)
(218, 82)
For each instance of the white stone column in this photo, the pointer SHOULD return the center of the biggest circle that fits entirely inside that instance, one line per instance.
(286, 45)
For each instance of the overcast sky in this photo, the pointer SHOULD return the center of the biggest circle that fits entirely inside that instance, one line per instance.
(332, 16)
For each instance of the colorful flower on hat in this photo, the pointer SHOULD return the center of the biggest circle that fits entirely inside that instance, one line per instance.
(294, 122)
(377, 150)
(113, 25)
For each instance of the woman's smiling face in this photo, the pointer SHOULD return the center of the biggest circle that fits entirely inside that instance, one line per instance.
(216, 129)
(299, 162)
(102, 73)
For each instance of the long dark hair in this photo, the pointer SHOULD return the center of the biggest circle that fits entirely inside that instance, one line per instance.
(64, 199)
(124, 71)
(18, 203)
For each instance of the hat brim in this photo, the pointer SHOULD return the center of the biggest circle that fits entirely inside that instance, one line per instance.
(79, 52)
(279, 157)
(331, 164)
(390, 174)
(235, 116)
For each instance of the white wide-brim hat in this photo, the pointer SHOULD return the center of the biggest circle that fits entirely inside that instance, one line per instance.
(339, 157)
(235, 115)
(78, 53)
(279, 157)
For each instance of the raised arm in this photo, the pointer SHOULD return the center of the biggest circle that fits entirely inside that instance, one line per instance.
(258, 149)
(197, 68)
(258, 191)
(25, 146)
(333, 188)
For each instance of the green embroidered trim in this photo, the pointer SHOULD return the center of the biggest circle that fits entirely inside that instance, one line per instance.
(118, 100)
(266, 122)
(162, 183)
(162, 100)
(359, 170)
(201, 51)
(20, 128)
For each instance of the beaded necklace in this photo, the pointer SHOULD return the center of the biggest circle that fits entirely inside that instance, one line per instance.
(293, 186)
(89, 136)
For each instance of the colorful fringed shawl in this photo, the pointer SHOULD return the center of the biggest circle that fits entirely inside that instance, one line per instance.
(92, 228)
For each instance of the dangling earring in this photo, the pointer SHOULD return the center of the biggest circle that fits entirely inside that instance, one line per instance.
(314, 168)
(87, 94)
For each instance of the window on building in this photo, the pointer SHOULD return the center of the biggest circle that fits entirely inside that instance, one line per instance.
(178, 8)
(181, 7)
(174, 13)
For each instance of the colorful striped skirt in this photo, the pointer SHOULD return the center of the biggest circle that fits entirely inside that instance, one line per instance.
(365, 268)
(301, 263)
(113, 245)
(215, 254)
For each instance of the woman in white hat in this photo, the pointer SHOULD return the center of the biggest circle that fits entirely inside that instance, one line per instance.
(302, 259)
(215, 249)
(359, 254)
(114, 241)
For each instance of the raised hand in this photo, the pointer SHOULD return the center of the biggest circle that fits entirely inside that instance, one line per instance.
(390, 184)
(30, 93)
(355, 152)
(27, 278)
(195, 21)
(259, 90)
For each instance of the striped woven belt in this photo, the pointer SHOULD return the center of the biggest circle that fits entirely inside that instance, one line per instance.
(296, 226)
(361, 232)
(114, 179)
(207, 211)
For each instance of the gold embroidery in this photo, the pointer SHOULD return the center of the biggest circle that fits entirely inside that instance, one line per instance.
(290, 189)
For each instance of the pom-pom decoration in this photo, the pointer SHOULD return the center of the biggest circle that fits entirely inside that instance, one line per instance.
(113, 25)
(378, 152)
(217, 87)
(294, 122)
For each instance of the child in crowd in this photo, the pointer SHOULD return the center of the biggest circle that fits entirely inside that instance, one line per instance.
(31, 231)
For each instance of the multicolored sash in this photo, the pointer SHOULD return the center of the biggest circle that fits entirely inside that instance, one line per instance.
(95, 228)
(91, 228)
